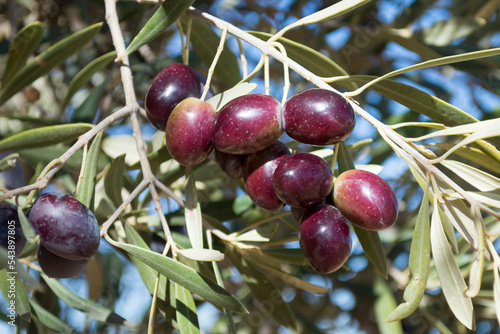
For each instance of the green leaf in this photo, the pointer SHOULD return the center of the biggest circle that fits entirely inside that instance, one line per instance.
(417, 100)
(329, 12)
(442, 33)
(205, 43)
(113, 181)
(114, 146)
(421, 102)
(293, 280)
(269, 296)
(22, 302)
(185, 309)
(496, 293)
(218, 101)
(86, 111)
(50, 320)
(166, 15)
(433, 62)
(23, 45)
(46, 136)
(18, 299)
(418, 264)
(94, 310)
(474, 155)
(202, 254)
(155, 158)
(192, 212)
(311, 59)
(87, 185)
(9, 162)
(452, 282)
(85, 74)
(185, 277)
(475, 177)
(293, 256)
(384, 303)
(29, 234)
(44, 155)
(369, 240)
(47, 60)
(148, 274)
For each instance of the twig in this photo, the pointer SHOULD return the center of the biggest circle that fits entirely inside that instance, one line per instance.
(82, 140)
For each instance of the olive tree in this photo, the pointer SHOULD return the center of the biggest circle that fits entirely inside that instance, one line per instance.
(422, 79)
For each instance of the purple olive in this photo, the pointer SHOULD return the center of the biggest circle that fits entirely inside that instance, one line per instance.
(59, 267)
(248, 124)
(231, 164)
(325, 238)
(303, 180)
(365, 199)
(189, 131)
(258, 176)
(11, 232)
(318, 117)
(173, 84)
(66, 227)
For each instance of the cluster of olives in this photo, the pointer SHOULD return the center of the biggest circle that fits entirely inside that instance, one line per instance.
(68, 231)
(244, 135)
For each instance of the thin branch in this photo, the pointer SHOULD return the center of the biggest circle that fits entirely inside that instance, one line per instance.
(82, 140)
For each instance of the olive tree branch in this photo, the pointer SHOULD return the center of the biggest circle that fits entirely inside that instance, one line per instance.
(84, 139)
(131, 102)
(269, 49)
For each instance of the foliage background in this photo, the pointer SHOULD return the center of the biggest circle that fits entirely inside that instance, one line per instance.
(374, 39)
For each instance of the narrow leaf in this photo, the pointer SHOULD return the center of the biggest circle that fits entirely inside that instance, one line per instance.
(47, 60)
(87, 185)
(94, 310)
(166, 15)
(435, 62)
(474, 155)
(444, 32)
(384, 303)
(452, 282)
(294, 281)
(491, 199)
(269, 296)
(46, 136)
(87, 110)
(113, 181)
(418, 264)
(50, 320)
(22, 302)
(293, 256)
(369, 240)
(24, 44)
(477, 178)
(18, 300)
(193, 212)
(205, 43)
(148, 274)
(460, 217)
(9, 162)
(204, 255)
(496, 293)
(85, 74)
(311, 59)
(185, 309)
(44, 155)
(417, 100)
(28, 231)
(329, 12)
(184, 276)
